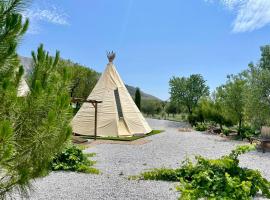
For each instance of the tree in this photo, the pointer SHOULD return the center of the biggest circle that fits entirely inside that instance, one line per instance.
(231, 98)
(258, 90)
(148, 107)
(212, 112)
(265, 58)
(151, 107)
(158, 107)
(38, 125)
(83, 79)
(188, 91)
(12, 29)
(171, 108)
(138, 98)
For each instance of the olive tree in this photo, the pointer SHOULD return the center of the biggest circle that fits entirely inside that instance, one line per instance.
(231, 97)
(258, 92)
(188, 91)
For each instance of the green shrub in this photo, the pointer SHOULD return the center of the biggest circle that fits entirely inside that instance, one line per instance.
(184, 117)
(73, 159)
(201, 127)
(196, 117)
(163, 174)
(192, 119)
(247, 132)
(220, 179)
(226, 131)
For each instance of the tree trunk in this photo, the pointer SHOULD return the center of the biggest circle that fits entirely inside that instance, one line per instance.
(189, 110)
(239, 126)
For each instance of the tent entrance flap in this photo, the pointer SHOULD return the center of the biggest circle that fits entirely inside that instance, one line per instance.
(122, 128)
(118, 103)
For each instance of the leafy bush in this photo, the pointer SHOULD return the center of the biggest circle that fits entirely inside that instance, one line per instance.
(226, 131)
(201, 127)
(221, 178)
(184, 117)
(195, 118)
(191, 119)
(247, 132)
(163, 174)
(73, 159)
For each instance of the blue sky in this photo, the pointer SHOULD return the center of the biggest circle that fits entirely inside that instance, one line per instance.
(154, 40)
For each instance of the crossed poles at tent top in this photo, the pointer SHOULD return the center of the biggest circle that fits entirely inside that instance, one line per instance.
(95, 105)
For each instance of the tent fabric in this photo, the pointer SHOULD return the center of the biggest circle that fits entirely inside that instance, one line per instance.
(109, 122)
(23, 88)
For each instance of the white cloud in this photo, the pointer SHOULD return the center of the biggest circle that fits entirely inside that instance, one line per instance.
(250, 14)
(230, 4)
(49, 14)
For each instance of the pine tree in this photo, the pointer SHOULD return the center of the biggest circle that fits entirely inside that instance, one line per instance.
(12, 29)
(34, 128)
(138, 98)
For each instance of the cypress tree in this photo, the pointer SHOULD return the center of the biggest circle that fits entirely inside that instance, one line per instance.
(138, 98)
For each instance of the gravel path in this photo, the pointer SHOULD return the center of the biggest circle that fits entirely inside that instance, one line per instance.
(118, 161)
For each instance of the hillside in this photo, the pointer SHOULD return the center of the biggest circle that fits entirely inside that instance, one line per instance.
(27, 64)
(144, 95)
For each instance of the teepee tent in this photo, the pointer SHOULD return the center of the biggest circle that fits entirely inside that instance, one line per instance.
(23, 88)
(117, 115)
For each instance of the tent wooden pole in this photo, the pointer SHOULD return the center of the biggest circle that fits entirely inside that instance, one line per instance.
(95, 105)
(96, 121)
(96, 110)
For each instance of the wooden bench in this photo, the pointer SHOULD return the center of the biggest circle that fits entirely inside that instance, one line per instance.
(263, 142)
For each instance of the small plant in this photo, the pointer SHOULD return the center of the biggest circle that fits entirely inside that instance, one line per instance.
(73, 159)
(226, 131)
(247, 132)
(194, 119)
(218, 179)
(201, 127)
(163, 174)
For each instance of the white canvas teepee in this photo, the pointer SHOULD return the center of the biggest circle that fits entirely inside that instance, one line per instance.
(23, 88)
(117, 115)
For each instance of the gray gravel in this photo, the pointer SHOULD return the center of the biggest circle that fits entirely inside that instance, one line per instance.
(118, 161)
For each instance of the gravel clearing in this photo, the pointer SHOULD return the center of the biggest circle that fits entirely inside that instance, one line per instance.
(118, 161)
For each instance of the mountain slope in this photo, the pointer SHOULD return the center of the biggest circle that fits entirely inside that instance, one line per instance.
(28, 62)
(144, 95)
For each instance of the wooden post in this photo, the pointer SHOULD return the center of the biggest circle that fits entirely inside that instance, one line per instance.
(95, 105)
(96, 108)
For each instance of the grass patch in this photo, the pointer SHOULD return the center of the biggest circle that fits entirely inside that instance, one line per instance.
(90, 155)
(162, 174)
(121, 138)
